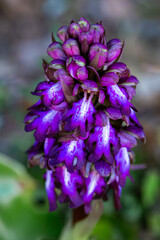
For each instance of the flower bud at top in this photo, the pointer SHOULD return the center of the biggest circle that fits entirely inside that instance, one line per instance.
(97, 32)
(63, 33)
(84, 24)
(74, 30)
(85, 39)
(71, 47)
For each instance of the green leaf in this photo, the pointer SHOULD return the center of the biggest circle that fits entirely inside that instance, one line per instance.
(150, 188)
(154, 223)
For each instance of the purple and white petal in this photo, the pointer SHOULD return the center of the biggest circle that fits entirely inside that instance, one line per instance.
(50, 189)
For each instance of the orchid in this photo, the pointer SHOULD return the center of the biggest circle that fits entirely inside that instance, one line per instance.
(85, 123)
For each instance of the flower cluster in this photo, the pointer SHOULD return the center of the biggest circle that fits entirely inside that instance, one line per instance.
(84, 123)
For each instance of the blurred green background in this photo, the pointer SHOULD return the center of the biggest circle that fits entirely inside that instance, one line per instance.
(25, 27)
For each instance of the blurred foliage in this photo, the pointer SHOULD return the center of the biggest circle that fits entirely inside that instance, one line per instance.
(23, 211)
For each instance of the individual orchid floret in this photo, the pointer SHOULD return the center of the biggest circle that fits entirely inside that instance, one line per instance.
(118, 99)
(95, 184)
(102, 136)
(81, 115)
(46, 124)
(51, 93)
(72, 153)
(70, 182)
(123, 165)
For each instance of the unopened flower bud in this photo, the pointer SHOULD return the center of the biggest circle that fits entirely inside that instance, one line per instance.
(84, 24)
(114, 49)
(97, 55)
(63, 33)
(71, 47)
(97, 32)
(55, 51)
(74, 30)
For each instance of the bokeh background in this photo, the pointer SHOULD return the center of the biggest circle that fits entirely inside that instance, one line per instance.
(25, 29)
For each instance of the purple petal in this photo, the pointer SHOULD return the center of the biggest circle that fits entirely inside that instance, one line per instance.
(82, 73)
(89, 86)
(101, 97)
(130, 81)
(117, 67)
(52, 93)
(101, 118)
(94, 184)
(48, 145)
(102, 137)
(81, 114)
(127, 140)
(123, 165)
(117, 96)
(137, 132)
(103, 168)
(66, 82)
(134, 119)
(69, 184)
(49, 184)
(72, 153)
(47, 123)
(52, 67)
(109, 78)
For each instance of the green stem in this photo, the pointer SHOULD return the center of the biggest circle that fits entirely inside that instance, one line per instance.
(80, 228)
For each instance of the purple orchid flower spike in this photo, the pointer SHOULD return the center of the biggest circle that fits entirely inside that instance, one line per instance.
(84, 123)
